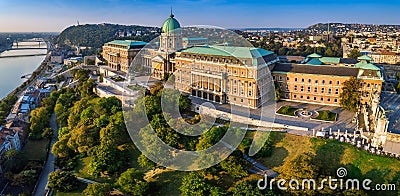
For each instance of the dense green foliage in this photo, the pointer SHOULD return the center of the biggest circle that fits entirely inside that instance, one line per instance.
(131, 182)
(63, 181)
(98, 190)
(350, 96)
(6, 105)
(95, 35)
(355, 53)
(40, 118)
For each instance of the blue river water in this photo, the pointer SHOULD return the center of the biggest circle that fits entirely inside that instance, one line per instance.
(12, 68)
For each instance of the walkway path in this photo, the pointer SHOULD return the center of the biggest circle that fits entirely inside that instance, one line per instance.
(49, 166)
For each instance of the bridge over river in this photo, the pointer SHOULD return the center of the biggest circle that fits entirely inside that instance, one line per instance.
(27, 48)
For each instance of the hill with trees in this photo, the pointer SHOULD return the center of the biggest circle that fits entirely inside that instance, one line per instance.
(95, 35)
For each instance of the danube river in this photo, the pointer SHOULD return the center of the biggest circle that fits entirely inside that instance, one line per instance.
(12, 68)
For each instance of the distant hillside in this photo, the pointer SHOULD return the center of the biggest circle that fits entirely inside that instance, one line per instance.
(342, 27)
(95, 35)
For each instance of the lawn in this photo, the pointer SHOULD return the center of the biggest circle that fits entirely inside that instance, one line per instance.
(167, 182)
(326, 116)
(81, 171)
(287, 110)
(36, 150)
(359, 163)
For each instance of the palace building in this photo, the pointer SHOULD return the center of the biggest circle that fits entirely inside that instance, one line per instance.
(160, 61)
(240, 75)
(320, 79)
(120, 53)
(225, 74)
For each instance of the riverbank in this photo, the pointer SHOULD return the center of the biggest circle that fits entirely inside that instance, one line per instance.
(18, 90)
(5, 48)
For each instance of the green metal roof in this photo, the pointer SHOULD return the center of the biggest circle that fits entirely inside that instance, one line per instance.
(170, 24)
(238, 52)
(330, 60)
(129, 43)
(365, 57)
(244, 52)
(314, 55)
(366, 65)
(206, 51)
(315, 61)
(230, 51)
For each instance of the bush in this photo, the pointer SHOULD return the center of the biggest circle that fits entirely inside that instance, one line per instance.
(63, 181)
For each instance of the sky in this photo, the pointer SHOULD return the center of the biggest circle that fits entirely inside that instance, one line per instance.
(56, 15)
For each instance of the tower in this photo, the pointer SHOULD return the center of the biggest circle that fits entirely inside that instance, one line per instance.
(171, 37)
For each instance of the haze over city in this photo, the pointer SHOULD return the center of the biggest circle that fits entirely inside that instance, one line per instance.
(56, 15)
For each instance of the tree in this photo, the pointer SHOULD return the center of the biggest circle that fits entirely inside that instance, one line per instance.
(40, 119)
(355, 53)
(211, 137)
(234, 165)
(194, 184)
(25, 177)
(246, 188)
(350, 96)
(146, 163)
(98, 190)
(278, 92)
(63, 181)
(328, 52)
(131, 182)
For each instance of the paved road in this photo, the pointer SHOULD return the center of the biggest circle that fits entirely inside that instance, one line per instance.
(49, 166)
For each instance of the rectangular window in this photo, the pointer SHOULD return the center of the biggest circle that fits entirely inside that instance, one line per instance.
(322, 90)
(315, 90)
(295, 87)
(329, 91)
(302, 88)
(336, 100)
(309, 89)
(250, 94)
(280, 78)
(337, 91)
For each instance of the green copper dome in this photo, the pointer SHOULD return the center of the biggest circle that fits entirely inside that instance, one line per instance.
(170, 24)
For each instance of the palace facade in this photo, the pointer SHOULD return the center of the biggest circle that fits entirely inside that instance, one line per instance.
(225, 74)
(120, 53)
(320, 80)
(240, 75)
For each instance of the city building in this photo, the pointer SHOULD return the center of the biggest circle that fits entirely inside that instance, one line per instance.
(320, 79)
(120, 53)
(225, 74)
(194, 41)
(159, 61)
